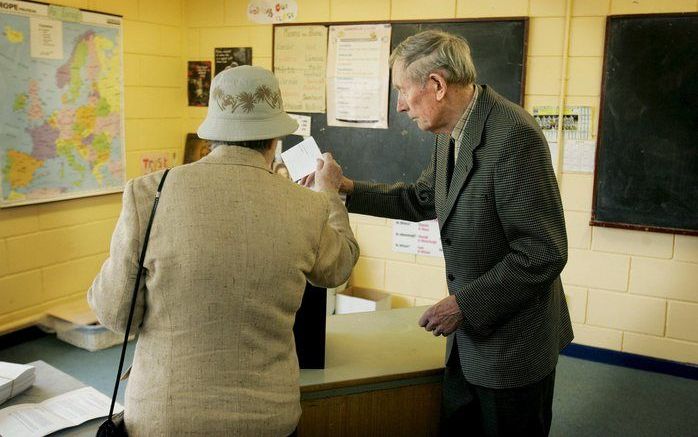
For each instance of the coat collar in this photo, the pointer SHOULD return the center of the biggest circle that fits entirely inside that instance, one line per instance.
(235, 155)
(472, 135)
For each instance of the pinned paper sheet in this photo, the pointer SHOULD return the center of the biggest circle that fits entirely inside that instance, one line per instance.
(301, 159)
(303, 124)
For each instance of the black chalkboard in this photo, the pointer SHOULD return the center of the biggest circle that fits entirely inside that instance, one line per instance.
(646, 173)
(401, 152)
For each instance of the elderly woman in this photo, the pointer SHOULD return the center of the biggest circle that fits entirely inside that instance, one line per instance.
(231, 248)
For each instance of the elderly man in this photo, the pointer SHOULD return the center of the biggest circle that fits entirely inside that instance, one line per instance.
(490, 184)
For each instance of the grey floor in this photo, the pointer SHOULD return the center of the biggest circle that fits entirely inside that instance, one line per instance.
(591, 399)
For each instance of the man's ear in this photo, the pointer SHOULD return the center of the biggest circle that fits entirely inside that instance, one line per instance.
(438, 82)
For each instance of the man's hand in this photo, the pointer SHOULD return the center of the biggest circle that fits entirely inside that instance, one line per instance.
(346, 185)
(443, 317)
(327, 176)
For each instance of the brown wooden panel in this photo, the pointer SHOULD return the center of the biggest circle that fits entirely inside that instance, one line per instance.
(403, 411)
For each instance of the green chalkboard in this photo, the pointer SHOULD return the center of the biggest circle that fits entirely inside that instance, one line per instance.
(401, 152)
(646, 173)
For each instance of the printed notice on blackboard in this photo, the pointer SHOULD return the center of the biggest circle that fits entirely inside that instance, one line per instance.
(422, 238)
(300, 54)
(358, 76)
(225, 57)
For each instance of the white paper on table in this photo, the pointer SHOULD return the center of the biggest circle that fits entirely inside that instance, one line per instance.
(59, 412)
(301, 159)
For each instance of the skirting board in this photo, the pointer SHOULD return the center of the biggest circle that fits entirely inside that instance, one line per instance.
(625, 359)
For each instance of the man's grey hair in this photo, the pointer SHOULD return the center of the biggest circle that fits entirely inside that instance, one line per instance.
(434, 50)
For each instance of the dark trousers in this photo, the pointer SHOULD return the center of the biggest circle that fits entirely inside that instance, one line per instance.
(471, 410)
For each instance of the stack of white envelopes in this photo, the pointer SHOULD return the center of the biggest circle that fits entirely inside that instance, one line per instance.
(14, 379)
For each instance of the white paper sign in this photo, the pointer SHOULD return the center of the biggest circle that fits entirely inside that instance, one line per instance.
(429, 238)
(423, 238)
(358, 76)
(266, 11)
(301, 159)
(579, 155)
(303, 124)
(46, 38)
(404, 236)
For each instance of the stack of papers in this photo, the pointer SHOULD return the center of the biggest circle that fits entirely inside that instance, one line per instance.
(62, 411)
(14, 379)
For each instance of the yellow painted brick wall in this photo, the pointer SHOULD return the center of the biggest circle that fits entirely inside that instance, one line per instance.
(49, 253)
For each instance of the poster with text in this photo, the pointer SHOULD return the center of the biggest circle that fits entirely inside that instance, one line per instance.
(300, 53)
(358, 73)
(225, 57)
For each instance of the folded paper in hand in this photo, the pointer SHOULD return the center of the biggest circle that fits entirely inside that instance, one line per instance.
(301, 159)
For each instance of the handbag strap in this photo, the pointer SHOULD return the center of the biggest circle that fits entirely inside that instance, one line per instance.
(135, 292)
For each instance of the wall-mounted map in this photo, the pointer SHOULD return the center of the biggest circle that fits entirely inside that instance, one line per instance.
(61, 103)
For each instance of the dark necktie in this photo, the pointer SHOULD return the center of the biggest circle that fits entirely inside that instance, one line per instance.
(450, 162)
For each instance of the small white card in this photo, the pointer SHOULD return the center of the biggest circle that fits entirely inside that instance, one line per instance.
(301, 159)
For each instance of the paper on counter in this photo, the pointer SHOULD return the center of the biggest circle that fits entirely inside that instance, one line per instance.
(14, 379)
(59, 412)
(301, 159)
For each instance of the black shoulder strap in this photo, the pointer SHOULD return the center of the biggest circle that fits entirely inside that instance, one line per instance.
(135, 291)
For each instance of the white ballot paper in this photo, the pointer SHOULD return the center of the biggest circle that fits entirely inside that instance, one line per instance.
(59, 412)
(301, 159)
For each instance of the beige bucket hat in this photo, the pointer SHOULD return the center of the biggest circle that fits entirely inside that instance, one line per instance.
(245, 104)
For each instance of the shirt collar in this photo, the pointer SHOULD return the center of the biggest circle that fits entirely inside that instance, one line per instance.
(457, 133)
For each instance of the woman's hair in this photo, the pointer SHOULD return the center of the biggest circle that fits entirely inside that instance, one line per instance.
(434, 50)
(259, 145)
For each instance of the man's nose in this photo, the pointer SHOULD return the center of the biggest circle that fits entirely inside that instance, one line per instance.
(401, 107)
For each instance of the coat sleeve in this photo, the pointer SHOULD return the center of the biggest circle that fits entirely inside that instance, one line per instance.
(530, 211)
(111, 292)
(337, 250)
(413, 202)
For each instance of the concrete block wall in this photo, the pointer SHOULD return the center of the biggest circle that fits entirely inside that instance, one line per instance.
(50, 252)
(627, 290)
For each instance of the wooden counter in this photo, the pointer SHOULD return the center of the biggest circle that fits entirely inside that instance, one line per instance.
(382, 377)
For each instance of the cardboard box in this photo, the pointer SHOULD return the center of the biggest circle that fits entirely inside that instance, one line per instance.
(76, 323)
(359, 300)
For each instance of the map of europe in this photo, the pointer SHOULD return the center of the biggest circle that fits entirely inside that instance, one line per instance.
(61, 117)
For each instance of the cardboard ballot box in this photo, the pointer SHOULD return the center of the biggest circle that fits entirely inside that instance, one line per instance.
(76, 323)
(359, 300)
